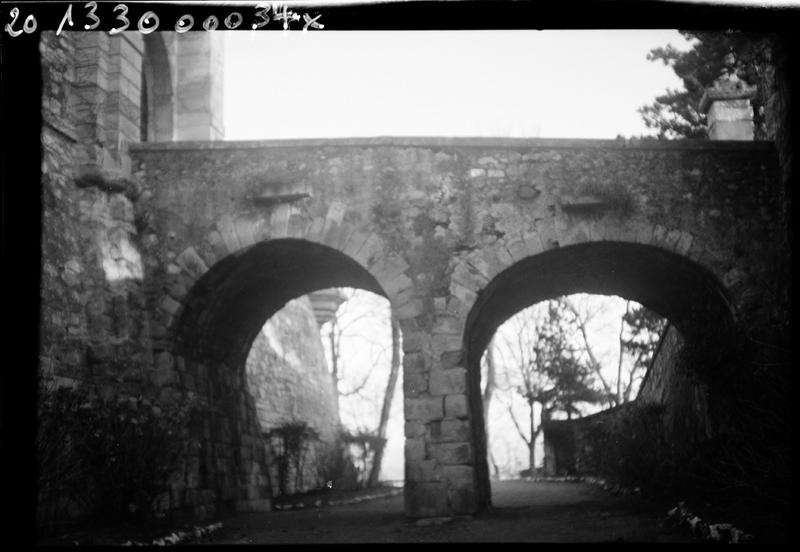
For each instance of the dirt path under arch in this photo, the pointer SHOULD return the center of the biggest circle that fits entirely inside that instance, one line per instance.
(523, 511)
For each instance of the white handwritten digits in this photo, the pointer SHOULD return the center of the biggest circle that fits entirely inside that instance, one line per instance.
(124, 20)
(312, 22)
(66, 19)
(27, 27)
(262, 13)
(229, 20)
(211, 23)
(147, 17)
(184, 23)
(92, 7)
(286, 15)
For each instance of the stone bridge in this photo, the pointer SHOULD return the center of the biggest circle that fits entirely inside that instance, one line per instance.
(458, 234)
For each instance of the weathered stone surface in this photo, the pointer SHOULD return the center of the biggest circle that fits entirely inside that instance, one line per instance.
(414, 384)
(451, 453)
(448, 382)
(425, 499)
(415, 449)
(425, 408)
(425, 471)
(450, 431)
(456, 406)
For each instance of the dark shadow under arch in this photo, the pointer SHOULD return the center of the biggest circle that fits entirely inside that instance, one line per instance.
(675, 287)
(227, 306)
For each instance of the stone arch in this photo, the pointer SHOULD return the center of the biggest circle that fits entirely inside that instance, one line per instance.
(158, 85)
(675, 286)
(220, 293)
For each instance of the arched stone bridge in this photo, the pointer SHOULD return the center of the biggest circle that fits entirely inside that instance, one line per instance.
(458, 234)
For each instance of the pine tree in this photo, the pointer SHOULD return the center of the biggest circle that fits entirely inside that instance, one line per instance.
(676, 113)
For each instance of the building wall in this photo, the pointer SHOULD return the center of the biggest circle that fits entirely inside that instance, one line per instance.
(289, 379)
(96, 329)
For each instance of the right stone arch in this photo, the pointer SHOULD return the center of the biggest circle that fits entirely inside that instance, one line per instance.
(677, 288)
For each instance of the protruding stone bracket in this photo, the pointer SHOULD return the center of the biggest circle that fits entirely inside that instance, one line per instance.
(584, 205)
(90, 176)
(277, 199)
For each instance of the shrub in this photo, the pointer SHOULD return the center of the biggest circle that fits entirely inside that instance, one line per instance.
(335, 468)
(290, 444)
(627, 447)
(362, 445)
(106, 457)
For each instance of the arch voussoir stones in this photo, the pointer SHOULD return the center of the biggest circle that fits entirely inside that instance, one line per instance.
(279, 221)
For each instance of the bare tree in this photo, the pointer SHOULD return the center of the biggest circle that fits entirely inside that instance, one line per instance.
(394, 372)
(347, 328)
(542, 367)
(639, 332)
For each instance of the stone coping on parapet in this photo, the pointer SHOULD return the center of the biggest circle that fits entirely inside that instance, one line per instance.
(439, 142)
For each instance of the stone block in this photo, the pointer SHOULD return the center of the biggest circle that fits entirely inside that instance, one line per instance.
(414, 384)
(452, 381)
(414, 430)
(451, 431)
(389, 267)
(228, 233)
(335, 214)
(415, 450)
(246, 232)
(425, 471)
(218, 245)
(517, 249)
(278, 222)
(451, 453)
(191, 262)
(462, 499)
(468, 277)
(426, 500)
(451, 359)
(371, 249)
(458, 476)
(456, 406)
(684, 243)
(424, 409)
(169, 305)
(465, 295)
(355, 243)
(392, 286)
(447, 342)
(413, 361)
(447, 324)
(411, 309)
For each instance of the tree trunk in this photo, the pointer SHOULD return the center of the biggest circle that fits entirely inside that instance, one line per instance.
(491, 383)
(532, 443)
(387, 404)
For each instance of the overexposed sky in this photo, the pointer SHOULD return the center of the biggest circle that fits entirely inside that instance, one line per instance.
(520, 83)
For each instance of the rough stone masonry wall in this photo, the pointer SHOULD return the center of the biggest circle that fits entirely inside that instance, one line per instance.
(94, 327)
(670, 383)
(289, 379)
(434, 220)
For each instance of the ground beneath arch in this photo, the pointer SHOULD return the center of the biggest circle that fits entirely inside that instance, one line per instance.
(523, 511)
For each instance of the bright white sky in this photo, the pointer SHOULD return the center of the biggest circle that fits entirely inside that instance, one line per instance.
(555, 83)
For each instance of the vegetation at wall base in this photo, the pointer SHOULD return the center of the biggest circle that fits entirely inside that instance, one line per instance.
(105, 460)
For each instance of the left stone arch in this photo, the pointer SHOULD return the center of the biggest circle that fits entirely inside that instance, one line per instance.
(219, 292)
